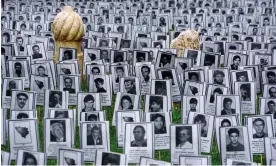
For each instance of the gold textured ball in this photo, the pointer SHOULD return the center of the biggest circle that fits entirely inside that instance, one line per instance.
(188, 39)
(68, 30)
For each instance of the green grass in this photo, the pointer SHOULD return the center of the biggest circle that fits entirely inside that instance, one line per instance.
(159, 154)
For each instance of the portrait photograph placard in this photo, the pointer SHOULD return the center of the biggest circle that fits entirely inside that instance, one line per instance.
(234, 143)
(67, 54)
(225, 121)
(247, 92)
(150, 161)
(259, 127)
(185, 140)
(55, 99)
(23, 114)
(94, 136)
(92, 116)
(228, 105)
(270, 148)
(212, 91)
(206, 123)
(70, 157)
(145, 72)
(157, 103)
(38, 85)
(123, 117)
(125, 101)
(101, 84)
(192, 88)
(22, 100)
(26, 157)
(23, 134)
(19, 69)
(194, 160)
(10, 84)
(192, 104)
(72, 84)
(161, 87)
(219, 76)
(267, 106)
(130, 85)
(117, 72)
(161, 121)
(139, 141)
(110, 158)
(36, 51)
(58, 133)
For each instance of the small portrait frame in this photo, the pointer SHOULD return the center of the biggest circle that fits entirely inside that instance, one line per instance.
(70, 157)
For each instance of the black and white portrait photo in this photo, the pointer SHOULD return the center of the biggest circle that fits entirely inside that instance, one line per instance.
(68, 84)
(155, 103)
(67, 54)
(185, 140)
(58, 132)
(260, 128)
(68, 156)
(22, 100)
(192, 104)
(234, 140)
(55, 99)
(94, 137)
(129, 85)
(110, 158)
(206, 123)
(10, 84)
(139, 136)
(36, 51)
(26, 157)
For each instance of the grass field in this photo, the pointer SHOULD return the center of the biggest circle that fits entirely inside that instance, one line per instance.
(159, 154)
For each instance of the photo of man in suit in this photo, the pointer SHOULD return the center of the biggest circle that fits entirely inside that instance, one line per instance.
(36, 54)
(41, 71)
(227, 110)
(89, 102)
(145, 70)
(68, 82)
(57, 130)
(95, 138)
(271, 105)
(19, 42)
(139, 136)
(234, 145)
(259, 125)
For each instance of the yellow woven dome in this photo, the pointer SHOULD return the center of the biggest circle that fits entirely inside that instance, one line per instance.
(188, 39)
(68, 26)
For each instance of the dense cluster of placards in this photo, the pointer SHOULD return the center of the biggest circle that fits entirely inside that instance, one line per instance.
(126, 53)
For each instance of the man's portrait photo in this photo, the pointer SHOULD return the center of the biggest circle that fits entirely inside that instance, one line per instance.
(272, 92)
(145, 71)
(41, 71)
(119, 73)
(61, 114)
(55, 99)
(29, 159)
(118, 56)
(218, 77)
(159, 123)
(259, 128)
(184, 137)
(193, 104)
(103, 43)
(129, 85)
(242, 76)
(58, 131)
(36, 52)
(22, 102)
(193, 76)
(110, 159)
(245, 92)
(19, 43)
(234, 140)
(11, 86)
(156, 104)
(67, 55)
(201, 119)
(227, 107)
(100, 86)
(167, 74)
(68, 83)
(89, 103)
(19, 70)
(271, 77)
(139, 133)
(165, 61)
(271, 108)
(95, 70)
(95, 136)
(160, 88)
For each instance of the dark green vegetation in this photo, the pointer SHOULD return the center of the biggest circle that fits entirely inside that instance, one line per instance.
(159, 154)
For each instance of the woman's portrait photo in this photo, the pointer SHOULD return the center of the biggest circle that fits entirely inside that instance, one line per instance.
(126, 103)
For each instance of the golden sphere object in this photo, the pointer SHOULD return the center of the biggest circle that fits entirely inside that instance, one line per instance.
(188, 39)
